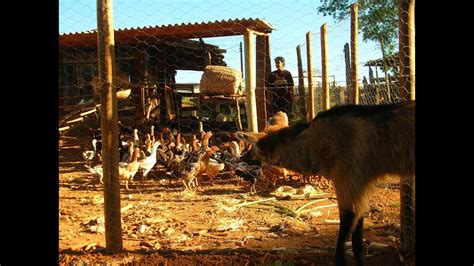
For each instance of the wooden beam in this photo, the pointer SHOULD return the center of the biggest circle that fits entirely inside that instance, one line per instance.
(64, 128)
(181, 31)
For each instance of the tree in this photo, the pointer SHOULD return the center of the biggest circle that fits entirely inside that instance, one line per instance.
(378, 20)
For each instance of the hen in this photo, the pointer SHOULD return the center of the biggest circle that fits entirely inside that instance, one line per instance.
(128, 172)
(211, 167)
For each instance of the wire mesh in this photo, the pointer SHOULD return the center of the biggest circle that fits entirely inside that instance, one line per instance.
(162, 50)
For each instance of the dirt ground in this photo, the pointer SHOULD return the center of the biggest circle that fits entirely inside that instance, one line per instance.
(163, 225)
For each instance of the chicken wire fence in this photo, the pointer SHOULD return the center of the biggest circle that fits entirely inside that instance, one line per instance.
(194, 66)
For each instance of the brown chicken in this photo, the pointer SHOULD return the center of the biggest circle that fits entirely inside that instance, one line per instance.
(128, 172)
(212, 168)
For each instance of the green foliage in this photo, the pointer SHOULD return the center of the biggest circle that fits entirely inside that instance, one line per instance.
(378, 20)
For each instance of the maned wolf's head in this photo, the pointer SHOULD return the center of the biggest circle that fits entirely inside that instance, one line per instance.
(278, 121)
(269, 146)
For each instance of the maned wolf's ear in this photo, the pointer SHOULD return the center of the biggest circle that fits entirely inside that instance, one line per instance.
(250, 137)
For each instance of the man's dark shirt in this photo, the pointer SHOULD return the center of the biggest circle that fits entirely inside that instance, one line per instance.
(280, 84)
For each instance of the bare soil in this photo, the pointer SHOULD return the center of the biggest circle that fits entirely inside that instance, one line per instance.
(164, 225)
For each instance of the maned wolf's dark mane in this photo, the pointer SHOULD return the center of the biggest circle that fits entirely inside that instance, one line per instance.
(381, 112)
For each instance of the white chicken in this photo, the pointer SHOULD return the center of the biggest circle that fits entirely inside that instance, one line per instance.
(147, 164)
(96, 171)
(89, 155)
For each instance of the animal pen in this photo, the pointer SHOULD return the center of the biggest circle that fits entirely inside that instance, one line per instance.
(120, 85)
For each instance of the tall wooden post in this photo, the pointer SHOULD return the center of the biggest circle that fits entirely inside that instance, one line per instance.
(311, 111)
(251, 105)
(324, 69)
(406, 33)
(347, 59)
(261, 74)
(109, 125)
(301, 92)
(354, 52)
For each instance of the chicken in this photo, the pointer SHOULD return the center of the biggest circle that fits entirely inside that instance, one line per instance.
(96, 171)
(234, 149)
(128, 172)
(149, 162)
(152, 133)
(205, 139)
(148, 143)
(167, 135)
(191, 168)
(250, 173)
(213, 169)
(194, 144)
(277, 121)
(205, 163)
(90, 155)
(136, 139)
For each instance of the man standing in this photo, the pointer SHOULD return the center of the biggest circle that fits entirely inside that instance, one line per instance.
(280, 86)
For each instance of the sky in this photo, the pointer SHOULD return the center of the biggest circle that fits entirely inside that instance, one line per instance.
(291, 20)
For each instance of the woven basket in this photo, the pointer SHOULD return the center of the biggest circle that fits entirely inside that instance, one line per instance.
(220, 80)
(123, 94)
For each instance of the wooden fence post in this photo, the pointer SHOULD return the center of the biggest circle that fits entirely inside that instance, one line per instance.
(302, 95)
(251, 105)
(406, 33)
(261, 75)
(109, 125)
(406, 28)
(324, 70)
(354, 52)
(347, 59)
(310, 102)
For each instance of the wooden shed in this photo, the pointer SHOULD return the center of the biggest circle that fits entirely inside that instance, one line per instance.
(149, 58)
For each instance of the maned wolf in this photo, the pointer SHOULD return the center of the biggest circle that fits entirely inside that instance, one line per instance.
(352, 145)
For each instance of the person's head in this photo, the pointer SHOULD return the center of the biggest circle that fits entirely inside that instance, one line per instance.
(280, 63)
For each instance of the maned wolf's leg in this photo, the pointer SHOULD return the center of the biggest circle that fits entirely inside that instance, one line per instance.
(345, 225)
(358, 242)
